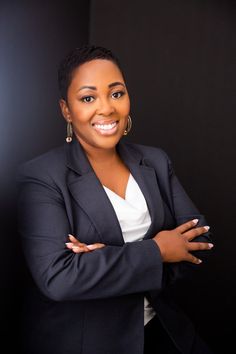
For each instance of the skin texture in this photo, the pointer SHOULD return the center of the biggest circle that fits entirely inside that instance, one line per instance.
(98, 95)
(103, 103)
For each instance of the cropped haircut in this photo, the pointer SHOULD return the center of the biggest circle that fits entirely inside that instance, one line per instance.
(77, 57)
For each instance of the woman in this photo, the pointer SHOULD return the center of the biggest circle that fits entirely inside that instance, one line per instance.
(106, 228)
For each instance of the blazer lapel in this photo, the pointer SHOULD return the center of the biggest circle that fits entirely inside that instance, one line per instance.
(146, 179)
(145, 176)
(88, 193)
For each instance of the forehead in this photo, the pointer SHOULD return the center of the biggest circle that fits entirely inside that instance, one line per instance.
(95, 72)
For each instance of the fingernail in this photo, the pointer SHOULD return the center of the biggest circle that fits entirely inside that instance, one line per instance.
(206, 228)
(210, 245)
(195, 221)
(199, 261)
(68, 244)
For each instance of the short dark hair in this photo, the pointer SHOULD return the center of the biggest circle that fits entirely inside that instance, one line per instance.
(79, 56)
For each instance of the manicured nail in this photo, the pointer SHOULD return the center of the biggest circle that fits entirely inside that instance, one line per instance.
(199, 261)
(210, 245)
(195, 221)
(69, 244)
(206, 228)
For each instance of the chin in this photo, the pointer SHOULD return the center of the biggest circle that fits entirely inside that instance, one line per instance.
(108, 144)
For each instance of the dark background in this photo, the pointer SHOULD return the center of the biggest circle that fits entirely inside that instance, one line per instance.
(179, 59)
(34, 37)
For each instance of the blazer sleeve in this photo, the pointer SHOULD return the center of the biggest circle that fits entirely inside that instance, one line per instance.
(62, 275)
(183, 210)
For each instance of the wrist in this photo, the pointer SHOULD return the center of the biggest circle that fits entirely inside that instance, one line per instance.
(160, 246)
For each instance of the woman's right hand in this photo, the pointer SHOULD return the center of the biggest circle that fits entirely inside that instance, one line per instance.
(78, 247)
(175, 245)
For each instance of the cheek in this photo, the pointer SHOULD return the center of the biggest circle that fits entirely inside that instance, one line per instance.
(126, 105)
(126, 111)
(123, 107)
(82, 113)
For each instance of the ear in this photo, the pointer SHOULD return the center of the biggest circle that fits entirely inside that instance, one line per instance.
(65, 110)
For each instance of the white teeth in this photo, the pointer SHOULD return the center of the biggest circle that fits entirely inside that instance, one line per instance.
(105, 126)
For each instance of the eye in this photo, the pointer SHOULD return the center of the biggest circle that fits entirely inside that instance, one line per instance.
(117, 94)
(87, 99)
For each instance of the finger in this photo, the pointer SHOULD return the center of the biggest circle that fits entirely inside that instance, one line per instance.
(73, 244)
(197, 246)
(75, 241)
(192, 259)
(191, 234)
(77, 249)
(69, 245)
(95, 246)
(73, 238)
(186, 226)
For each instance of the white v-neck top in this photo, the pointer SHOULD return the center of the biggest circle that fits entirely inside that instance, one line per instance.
(134, 218)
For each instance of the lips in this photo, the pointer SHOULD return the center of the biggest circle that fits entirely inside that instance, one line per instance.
(106, 128)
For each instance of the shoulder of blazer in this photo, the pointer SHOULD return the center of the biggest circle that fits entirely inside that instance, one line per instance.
(45, 166)
(52, 165)
(152, 156)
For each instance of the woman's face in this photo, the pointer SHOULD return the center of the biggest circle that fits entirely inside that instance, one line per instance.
(97, 104)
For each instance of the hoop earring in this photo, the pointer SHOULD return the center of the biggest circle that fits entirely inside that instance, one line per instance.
(69, 132)
(129, 126)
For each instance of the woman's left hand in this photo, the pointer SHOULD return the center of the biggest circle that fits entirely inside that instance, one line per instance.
(78, 247)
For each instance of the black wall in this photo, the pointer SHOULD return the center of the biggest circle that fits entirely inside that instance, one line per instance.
(179, 60)
(34, 37)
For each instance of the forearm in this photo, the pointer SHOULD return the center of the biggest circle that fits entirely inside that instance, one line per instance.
(108, 272)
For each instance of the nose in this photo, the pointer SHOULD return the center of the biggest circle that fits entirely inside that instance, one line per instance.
(105, 107)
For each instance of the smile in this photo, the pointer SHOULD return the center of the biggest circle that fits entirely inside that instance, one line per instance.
(106, 129)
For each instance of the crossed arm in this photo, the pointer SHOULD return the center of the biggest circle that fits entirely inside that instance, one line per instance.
(79, 271)
(175, 245)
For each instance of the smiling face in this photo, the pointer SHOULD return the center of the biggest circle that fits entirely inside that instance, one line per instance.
(97, 104)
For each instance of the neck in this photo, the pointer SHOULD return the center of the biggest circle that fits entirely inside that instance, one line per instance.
(100, 156)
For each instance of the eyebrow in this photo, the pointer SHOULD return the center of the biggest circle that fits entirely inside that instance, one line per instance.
(94, 87)
(116, 84)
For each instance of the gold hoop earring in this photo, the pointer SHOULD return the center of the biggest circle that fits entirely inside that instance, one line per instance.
(69, 132)
(129, 126)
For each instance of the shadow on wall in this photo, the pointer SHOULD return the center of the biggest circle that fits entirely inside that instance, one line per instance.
(34, 37)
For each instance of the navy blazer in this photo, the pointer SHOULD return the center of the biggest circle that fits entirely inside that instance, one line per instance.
(92, 303)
